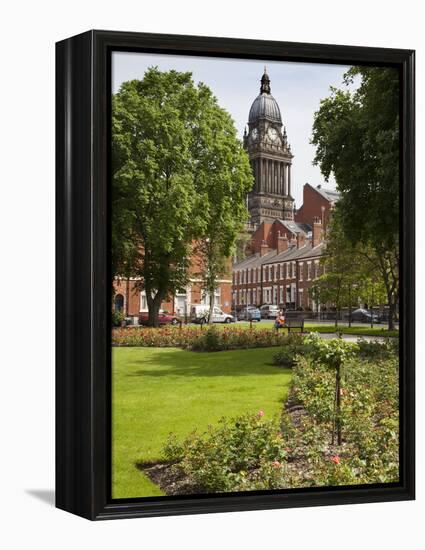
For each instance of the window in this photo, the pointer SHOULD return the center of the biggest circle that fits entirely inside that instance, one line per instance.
(278, 272)
(283, 271)
(119, 302)
(267, 274)
(294, 270)
(308, 271)
(301, 269)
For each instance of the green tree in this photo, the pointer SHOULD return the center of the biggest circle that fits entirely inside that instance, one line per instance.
(229, 180)
(356, 134)
(351, 272)
(165, 132)
(338, 285)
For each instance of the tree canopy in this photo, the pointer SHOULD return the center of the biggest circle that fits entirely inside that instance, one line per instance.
(357, 139)
(356, 134)
(178, 170)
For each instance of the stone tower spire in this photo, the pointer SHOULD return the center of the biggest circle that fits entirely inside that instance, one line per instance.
(265, 83)
(271, 159)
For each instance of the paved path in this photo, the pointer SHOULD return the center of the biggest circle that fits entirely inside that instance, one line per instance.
(355, 337)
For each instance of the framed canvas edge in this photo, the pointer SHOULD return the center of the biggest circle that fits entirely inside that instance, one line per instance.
(82, 145)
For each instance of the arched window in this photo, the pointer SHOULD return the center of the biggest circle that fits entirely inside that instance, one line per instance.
(119, 302)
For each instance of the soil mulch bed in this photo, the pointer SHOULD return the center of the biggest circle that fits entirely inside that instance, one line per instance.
(170, 478)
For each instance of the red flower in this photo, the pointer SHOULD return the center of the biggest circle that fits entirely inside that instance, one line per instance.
(335, 459)
(260, 413)
(276, 464)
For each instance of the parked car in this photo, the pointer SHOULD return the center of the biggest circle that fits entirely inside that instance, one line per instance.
(364, 316)
(249, 314)
(163, 318)
(269, 311)
(199, 314)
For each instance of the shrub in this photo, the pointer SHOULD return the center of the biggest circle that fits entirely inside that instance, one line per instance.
(211, 339)
(376, 349)
(369, 418)
(237, 454)
(293, 347)
(117, 318)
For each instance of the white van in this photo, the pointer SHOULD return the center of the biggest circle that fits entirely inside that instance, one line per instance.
(199, 314)
(269, 311)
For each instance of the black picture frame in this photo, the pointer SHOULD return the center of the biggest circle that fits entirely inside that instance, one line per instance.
(83, 416)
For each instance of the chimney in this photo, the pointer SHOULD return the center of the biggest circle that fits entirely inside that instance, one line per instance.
(300, 240)
(264, 248)
(317, 231)
(323, 216)
(282, 243)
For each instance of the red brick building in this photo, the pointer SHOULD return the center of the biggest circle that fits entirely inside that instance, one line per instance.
(131, 299)
(282, 267)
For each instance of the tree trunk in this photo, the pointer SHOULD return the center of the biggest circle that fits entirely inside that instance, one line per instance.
(154, 305)
(211, 312)
(349, 307)
(391, 314)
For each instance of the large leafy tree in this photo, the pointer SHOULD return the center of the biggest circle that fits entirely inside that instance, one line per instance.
(357, 138)
(171, 142)
(350, 273)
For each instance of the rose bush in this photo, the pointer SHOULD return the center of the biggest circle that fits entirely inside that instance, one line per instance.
(197, 339)
(233, 455)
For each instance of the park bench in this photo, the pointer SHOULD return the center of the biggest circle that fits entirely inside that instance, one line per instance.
(293, 323)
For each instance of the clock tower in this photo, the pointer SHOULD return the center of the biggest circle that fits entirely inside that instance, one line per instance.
(271, 159)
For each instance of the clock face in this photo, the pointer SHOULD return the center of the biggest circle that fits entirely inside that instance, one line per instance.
(272, 133)
(254, 133)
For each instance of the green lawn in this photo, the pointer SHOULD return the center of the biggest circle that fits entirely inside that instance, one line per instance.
(161, 390)
(377, 330)
(365, 330)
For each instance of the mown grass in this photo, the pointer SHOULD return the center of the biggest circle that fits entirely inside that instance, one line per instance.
(156, 391)
(377, 330)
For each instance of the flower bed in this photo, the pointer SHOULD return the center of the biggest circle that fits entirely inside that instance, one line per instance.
(210, 339)
(301, 449)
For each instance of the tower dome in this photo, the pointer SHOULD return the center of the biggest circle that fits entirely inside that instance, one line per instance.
(265, 105)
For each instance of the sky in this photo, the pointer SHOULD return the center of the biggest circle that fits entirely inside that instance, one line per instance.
(297, 87)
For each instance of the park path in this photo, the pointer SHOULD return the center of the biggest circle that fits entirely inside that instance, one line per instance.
(354, 337)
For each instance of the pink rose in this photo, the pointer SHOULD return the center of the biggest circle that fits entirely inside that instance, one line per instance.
(335, 459)
(276, 464)
(260, 413)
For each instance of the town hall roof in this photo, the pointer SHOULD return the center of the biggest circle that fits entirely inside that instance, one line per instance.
(329, 194)
(265, 105)
(272, 257)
